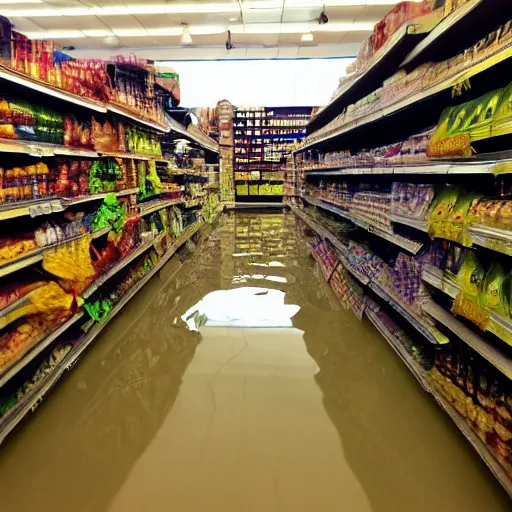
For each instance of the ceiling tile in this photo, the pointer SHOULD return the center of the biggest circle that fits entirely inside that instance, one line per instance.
(262, 15)
(119, 21)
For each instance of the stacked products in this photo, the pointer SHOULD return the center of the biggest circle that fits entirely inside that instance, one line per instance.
(264, 138)
(403, 85)
(441, 193)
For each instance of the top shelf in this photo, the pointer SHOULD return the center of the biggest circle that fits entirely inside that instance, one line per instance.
(383, 64)
(202, 140)
(413, 110)
(453, 34)
(23, 80)
(459, 30)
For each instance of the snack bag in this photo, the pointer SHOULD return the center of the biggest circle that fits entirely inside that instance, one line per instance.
(492, 291)
(443, 203)
(455, 225)
(470, 275)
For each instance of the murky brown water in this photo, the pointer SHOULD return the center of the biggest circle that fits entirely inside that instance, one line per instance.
(322, 416)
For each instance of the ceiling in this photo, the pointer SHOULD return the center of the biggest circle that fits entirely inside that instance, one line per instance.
(259, 28)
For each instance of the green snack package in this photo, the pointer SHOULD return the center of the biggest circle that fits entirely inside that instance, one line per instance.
(470, 275)
(444, 202)
(492, 292)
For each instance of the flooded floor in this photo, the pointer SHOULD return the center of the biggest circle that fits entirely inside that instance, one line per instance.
(319, 415)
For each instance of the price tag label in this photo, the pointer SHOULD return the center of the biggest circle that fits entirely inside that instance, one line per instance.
(41, 151)
(40, 209)
(56, 206)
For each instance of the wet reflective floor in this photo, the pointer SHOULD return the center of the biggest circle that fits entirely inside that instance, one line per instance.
(319, 414)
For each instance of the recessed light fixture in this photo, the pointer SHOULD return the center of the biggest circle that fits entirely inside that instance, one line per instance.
(111, 40)
(185, 36)
(234, 18)
(307, 37)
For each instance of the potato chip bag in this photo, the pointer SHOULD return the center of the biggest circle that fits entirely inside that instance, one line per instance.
(492, 291)
(470, 275)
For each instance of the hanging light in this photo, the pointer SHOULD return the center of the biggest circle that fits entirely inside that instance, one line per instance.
(185, 35)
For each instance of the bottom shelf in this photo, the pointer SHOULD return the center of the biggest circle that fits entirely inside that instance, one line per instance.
(30, 402)
(424, 379)
(427, 382)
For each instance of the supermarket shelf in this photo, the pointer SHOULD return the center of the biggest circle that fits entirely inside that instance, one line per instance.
(484, 236)
(116, 268)
(380, 67)
(419, 224)
(480, 15)
(395, 344)
(400, 241)
(420, 324)
(242, 205)
(478, 445)
(97, 106)
(29, 403)
(207, 143)
(12, 307)
(33, 208)
(473, 166)
(125, 112)
(49, 205)
(436, 278)
(37, 348)
(327, 206)
(35, 256)
(36, 85)
(134, 156)
(42, 149)
(151, 208)
(326, 272)
(497, 358)
(95, 197)
(485, 63)
(341, 249)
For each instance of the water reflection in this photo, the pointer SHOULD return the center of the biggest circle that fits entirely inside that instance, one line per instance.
(322, 416)
(241, 307)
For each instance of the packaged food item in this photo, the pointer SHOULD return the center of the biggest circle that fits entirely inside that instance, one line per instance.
(72, 264)
(470, 275)
(47, 298)
(492, 294)
(443, 203)
(12, 248)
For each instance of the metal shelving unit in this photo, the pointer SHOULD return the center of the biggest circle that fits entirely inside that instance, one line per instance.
(257, 152)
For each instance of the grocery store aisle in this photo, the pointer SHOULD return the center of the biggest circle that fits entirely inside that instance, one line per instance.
(321, 415)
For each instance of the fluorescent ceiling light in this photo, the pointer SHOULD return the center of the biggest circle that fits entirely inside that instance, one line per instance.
(185, 35)
(8, 2)
(298, 28)
(56, 34)
(172, 8)
(250, 28)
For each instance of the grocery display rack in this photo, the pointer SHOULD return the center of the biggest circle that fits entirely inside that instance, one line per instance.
(161, 218)
(342, 155)
(263, 138)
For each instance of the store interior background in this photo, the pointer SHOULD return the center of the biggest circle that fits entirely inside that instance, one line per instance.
(182, 401)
